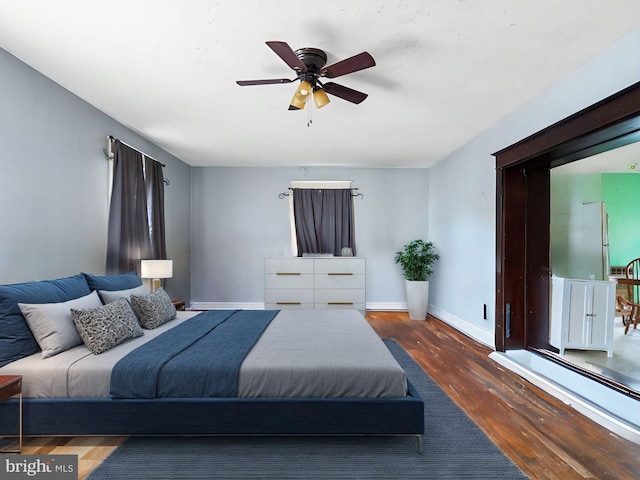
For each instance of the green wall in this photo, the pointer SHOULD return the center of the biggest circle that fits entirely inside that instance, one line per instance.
(621, 194)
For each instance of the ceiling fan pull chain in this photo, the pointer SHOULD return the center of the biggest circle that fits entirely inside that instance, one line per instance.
(309, 119)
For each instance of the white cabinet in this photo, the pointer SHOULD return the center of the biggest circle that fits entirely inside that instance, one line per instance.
(582, 314)
(315, 283)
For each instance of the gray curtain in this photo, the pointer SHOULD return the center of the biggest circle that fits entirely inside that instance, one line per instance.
(323, 220)
(136, 214)
(154, 183)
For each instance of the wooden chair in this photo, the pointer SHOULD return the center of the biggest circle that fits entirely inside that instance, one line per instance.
(632, 274)
(625, 309)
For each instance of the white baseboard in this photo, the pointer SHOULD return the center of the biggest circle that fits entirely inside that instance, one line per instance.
(479, 334)
(227, 305)
(387, 306)
(378, 306)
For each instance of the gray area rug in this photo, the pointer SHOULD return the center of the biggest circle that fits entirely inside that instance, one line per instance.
(453, 448)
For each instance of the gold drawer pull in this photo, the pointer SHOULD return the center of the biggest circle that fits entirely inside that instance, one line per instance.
(339, 303)
(339, 273)
(288, 303)
(288, 273)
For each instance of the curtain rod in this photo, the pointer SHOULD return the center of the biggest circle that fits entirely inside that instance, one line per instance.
(112, 138)
(357, 194)
(110, 155)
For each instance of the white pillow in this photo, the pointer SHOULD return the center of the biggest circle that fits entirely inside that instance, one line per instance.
(52, 325)
(109, 296)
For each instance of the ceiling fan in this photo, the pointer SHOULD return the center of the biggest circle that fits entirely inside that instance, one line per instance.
(309, 65)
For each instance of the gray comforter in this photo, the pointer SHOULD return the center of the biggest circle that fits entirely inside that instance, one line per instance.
(303, 353)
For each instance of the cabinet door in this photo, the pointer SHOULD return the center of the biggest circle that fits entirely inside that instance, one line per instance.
(600, 313)
(576, 319)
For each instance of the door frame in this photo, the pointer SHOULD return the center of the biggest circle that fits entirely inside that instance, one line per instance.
(522, 214)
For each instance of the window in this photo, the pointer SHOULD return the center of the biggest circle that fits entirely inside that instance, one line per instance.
(322, 217)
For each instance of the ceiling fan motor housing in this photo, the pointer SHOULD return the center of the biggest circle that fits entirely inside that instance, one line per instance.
(313, 58)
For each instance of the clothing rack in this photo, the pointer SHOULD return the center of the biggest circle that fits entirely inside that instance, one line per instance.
(109, 154)
(286, 194)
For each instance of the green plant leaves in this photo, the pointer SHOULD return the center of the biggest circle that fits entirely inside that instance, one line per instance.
(417, 259)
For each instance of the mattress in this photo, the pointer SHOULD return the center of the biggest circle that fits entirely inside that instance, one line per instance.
(303, 353)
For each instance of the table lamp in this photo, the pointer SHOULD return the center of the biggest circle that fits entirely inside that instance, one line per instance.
(155, 270)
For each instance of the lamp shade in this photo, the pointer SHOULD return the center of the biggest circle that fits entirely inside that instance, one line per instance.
(156, 268)
(304, 88)
(299, 99)
(297, 102)
(320, 97)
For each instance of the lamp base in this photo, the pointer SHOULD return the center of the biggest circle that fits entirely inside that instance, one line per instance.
(155, 284)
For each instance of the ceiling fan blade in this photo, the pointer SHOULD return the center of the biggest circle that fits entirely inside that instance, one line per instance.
(272, 81)
(286, 53)
(352, 64)
(345, 93)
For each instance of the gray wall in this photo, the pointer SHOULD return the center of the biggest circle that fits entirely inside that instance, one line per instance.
(462, 219)
(53, 183)
(238, 220)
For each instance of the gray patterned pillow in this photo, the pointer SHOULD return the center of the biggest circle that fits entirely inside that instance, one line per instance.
(109, 296)
(153, 310)
(105, 327)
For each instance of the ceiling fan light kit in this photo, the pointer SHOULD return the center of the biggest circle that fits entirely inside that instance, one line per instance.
(309, 65)
(297, 102)
(320, 97)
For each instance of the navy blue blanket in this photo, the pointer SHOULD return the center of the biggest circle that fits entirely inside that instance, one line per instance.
(201, 357)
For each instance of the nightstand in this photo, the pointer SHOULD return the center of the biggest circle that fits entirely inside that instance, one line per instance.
(179, 304)
(10, 386)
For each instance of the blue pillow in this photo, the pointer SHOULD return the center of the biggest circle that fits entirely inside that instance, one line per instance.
(16, 340)
(122, 281)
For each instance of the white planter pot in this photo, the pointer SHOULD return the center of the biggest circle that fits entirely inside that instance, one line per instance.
(417, 299)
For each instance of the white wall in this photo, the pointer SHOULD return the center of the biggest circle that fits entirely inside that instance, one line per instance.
(238, 220)
(463, 226)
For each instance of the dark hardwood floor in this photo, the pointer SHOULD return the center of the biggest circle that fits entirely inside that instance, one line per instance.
(544, 437)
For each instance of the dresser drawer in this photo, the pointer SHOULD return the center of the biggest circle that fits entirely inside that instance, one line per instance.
(281, 296)
(288, 266)
(339, 280)
(345, 297)
(292, 281)
(340, 265)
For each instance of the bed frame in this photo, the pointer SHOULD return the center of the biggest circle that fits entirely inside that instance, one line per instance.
(217, 416)
(188, 416)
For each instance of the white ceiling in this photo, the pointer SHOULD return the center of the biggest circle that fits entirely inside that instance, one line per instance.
(446, 69)
(624, 159)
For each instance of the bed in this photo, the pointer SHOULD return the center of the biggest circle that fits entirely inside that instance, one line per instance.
(311, 372)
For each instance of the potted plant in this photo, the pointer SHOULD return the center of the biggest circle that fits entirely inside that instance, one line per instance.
(417, 259)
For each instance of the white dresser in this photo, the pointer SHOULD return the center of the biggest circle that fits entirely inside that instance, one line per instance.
(315, 283)
(582, 314)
